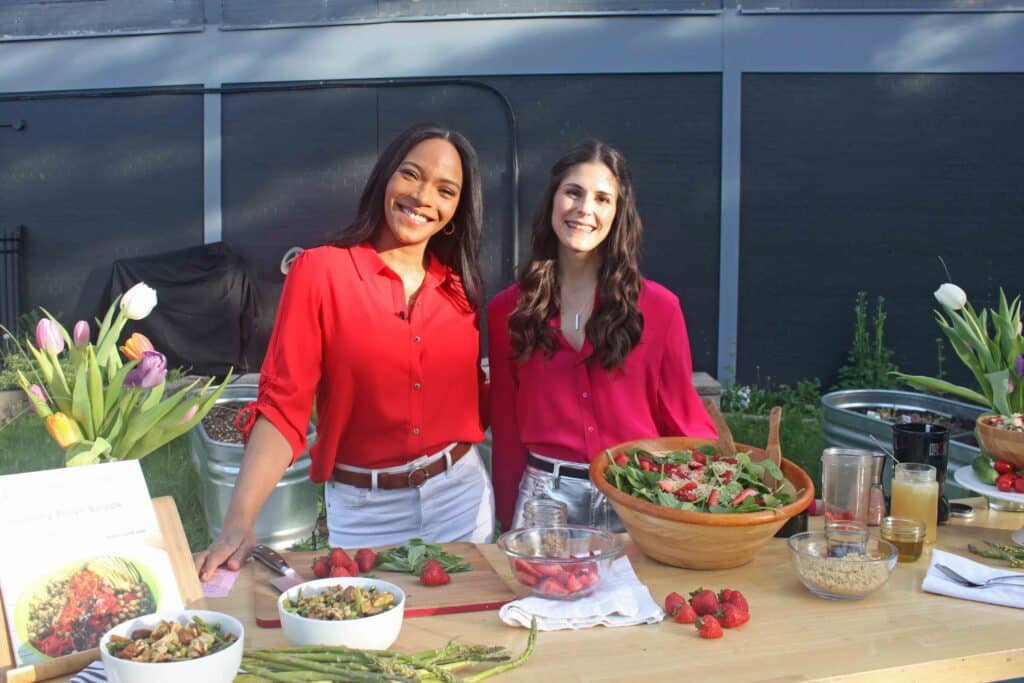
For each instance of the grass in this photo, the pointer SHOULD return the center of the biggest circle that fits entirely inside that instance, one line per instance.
(26, 447)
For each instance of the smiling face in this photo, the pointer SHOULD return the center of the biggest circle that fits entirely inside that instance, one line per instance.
(583, 208)
(421, 196)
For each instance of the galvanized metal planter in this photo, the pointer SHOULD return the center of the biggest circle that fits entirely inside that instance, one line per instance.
(288, 515)
(842, 425)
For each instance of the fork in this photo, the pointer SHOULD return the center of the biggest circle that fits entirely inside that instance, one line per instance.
(1007, 580)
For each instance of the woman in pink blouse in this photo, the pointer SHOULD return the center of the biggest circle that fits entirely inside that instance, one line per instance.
(584, 352)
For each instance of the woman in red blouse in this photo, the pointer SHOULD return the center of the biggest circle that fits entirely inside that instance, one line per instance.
(584, 352)
(381, 328)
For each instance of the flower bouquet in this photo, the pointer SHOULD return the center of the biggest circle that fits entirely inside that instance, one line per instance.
(996, 359)
(108, 408)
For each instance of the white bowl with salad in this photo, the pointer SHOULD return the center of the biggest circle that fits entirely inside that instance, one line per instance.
(354, 612)
(169, 647)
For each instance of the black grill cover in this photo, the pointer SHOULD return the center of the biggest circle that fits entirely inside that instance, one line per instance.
(207, 306)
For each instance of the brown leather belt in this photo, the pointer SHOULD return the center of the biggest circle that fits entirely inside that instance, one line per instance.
(413, 479)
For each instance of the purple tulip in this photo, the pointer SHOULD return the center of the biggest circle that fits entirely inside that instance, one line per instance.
(81, 333)
(150, 371)
(48, 336)
(1018, 365)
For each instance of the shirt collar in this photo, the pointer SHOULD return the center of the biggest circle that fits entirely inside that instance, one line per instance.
(368, 262)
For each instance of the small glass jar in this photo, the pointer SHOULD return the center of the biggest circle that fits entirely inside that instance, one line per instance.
(845, 537)
(906, 534)
(545, 512)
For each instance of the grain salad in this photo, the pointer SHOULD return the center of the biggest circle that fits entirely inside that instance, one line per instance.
(852, 575)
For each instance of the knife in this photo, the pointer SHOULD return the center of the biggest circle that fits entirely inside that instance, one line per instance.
(271, 559)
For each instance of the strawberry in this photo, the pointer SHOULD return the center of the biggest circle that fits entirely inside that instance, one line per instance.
(340, 571)
(742, 496)
(1004, 482)
(708, 627)
(339, 558)
(434, 574)
(522, 566)
(543, 569)
(1018, 484)
(526, 578)
(321, 567)
(732, 616)
(672, 602)
(713, 497)
(621, 459)
(734, 597)
(366, 559)
(699, 457)
(704, 601)
(573, 585)
(685, 614)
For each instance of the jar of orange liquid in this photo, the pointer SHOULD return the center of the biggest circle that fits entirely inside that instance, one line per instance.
(915, 495)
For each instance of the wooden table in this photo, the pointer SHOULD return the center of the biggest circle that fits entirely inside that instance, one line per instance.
(896, 634)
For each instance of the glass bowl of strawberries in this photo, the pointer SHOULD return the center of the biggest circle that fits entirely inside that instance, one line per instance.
(560, 562)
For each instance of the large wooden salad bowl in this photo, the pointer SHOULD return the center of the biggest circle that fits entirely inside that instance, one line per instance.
(697, 540)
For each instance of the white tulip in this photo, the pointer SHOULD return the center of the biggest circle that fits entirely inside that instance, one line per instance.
(951, 296)
(138, 302)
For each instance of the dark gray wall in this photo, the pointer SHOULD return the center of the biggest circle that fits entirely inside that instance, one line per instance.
(860, 182)
(20, 19)
(95, 180)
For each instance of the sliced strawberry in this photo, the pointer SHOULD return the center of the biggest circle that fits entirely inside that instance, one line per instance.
(526, 567)
(551, 586)
(526, 578)
(573, 585)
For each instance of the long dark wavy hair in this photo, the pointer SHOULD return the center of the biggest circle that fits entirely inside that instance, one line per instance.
(615, 326)
(460, 251)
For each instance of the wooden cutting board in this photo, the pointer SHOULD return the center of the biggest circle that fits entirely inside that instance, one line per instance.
(475, 590)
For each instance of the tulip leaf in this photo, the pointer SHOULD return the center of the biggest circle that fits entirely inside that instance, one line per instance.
(86, 452)
(105, 325)
(1000, 391)
(141, 423)
(114, 386)
(43, 362)
(95, 378)
(155, 394)
(172, 426)
(108, 345)
(81, 412)
(943, 387)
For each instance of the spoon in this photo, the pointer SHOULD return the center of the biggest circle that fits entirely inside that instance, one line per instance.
(773, 449)
(726, 445)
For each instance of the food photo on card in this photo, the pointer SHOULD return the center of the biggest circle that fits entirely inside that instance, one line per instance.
(63, 600)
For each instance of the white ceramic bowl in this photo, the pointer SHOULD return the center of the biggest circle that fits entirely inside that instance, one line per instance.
(376, 632)
(220, 667)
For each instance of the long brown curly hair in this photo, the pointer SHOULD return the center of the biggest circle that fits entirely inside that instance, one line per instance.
(616, 324)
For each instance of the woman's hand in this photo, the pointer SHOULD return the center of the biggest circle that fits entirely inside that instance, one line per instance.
(231, 548)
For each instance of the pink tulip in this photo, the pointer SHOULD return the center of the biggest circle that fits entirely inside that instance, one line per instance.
(190, 413)
(81, 333)
(48, 336)
(37, 391)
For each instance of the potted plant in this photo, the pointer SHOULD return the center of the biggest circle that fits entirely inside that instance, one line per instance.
(991, 345)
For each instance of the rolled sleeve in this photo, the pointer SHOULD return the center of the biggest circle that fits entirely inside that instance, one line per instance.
(291, 369)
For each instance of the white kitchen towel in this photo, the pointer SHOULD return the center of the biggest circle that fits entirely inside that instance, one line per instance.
(937, 582)
(620, 600)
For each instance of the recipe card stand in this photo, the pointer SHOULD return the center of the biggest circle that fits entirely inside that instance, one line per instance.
(176, 545)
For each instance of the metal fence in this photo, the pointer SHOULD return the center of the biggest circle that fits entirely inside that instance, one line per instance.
(12, 247)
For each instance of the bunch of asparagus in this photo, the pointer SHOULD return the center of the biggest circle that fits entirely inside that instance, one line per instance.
(999, 551)
(323, 663)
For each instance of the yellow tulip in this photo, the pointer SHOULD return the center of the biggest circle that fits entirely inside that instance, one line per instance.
(136, 345)
(63, 429)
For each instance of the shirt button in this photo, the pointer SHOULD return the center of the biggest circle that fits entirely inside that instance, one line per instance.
(585, 394)
(416, 430)
(416, 386)
(416, 339)
(590, 428)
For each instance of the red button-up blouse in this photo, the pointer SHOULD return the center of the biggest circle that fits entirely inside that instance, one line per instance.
(563, 408)
(390, 384)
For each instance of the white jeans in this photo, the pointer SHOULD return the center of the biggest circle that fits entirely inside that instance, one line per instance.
(456, 505)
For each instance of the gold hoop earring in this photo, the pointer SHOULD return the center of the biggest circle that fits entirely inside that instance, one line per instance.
(449, 229)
